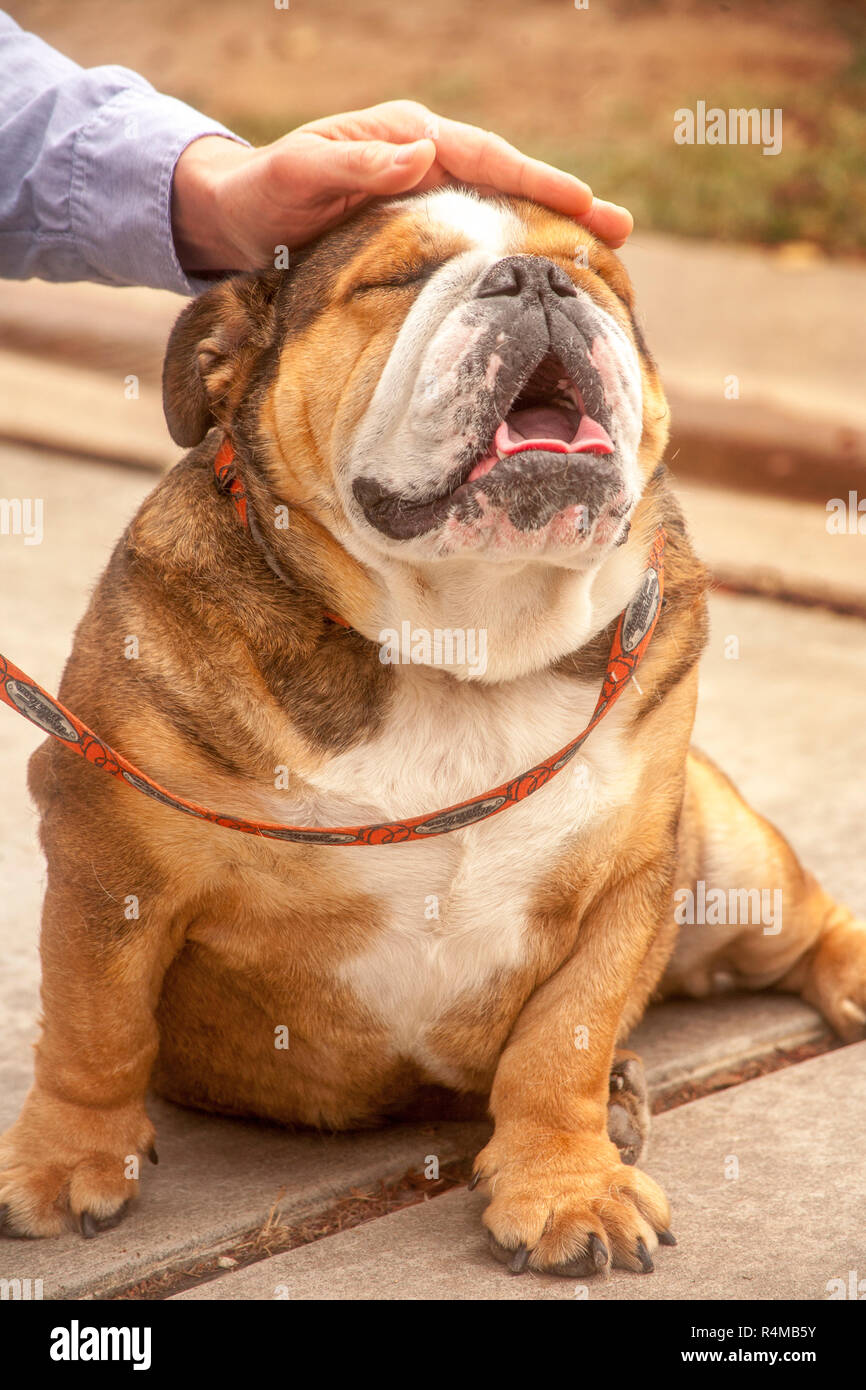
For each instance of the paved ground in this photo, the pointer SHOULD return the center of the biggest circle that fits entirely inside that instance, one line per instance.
(784, 717)
(790, 332)
(776, 545)
(765, 1208)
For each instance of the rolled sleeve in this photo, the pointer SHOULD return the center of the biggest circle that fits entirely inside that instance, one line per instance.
(89, 157)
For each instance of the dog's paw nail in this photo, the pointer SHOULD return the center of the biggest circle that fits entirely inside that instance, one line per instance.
(474, 1181)
(667, 1238)
(519, 1260)
(616, 1081)
(153, 1155)
(598, 1251)
(503, 1253)
(645, 1257)
(91, 1225)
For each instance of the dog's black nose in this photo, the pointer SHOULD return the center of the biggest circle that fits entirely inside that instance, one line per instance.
(515, 275)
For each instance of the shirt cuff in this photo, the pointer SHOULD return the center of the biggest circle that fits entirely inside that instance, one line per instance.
(120, 195)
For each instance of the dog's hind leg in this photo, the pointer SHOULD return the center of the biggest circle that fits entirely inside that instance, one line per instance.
(628, 1112)
(750, 915)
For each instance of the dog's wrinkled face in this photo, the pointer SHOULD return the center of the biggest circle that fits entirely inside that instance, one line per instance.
(450, 376)
(509, 413)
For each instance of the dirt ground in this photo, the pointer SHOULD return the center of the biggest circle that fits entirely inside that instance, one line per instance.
(593, 89)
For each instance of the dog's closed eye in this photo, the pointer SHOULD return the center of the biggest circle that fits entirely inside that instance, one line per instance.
(398, 281)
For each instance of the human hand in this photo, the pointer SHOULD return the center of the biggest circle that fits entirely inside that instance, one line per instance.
(231, 205)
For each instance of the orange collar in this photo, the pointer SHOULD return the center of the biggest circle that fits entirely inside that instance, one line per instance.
(227, 481)
(633, 634)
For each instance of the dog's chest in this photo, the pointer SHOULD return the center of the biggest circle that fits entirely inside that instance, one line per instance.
(455, 911)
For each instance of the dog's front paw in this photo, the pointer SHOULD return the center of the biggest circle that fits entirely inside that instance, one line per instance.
(565, 1204)
(64, 1167)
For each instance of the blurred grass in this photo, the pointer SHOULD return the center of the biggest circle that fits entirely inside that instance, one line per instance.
(814, 191)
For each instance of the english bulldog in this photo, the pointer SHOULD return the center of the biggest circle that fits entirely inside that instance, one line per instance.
(441, 419)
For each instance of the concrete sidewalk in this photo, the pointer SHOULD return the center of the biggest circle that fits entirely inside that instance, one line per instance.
(793, 334)
(767, 1183)
(218, 1179)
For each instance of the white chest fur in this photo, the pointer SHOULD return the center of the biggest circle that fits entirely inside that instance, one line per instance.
(454, 909)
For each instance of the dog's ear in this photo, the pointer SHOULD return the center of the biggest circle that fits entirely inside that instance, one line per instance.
(212, 352)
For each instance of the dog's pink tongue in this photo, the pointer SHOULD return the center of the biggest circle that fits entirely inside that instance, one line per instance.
(547, 427)
(550, 428)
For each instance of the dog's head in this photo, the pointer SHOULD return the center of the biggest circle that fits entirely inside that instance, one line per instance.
(444, 379)
(448, 375)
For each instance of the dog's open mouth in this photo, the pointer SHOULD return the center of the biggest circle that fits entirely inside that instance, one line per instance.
(548, 452)
(547, 417)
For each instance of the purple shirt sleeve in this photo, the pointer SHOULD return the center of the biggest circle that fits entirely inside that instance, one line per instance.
(87, 158)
